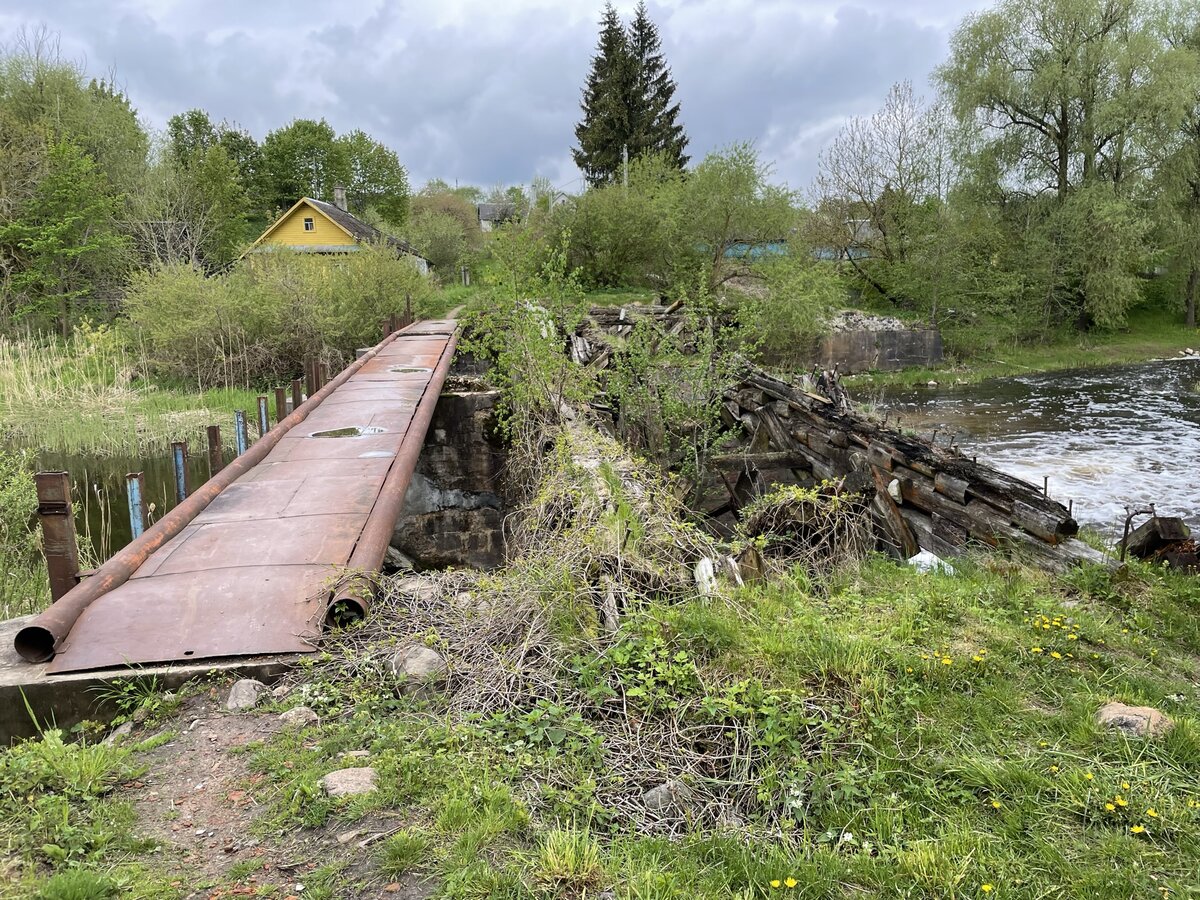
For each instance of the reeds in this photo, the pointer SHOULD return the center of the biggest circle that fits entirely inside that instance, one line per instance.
(90, 395)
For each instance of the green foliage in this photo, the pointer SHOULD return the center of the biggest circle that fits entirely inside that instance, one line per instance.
(643, 669)
(259, 320)
(441, 239)
(23, 587)
(78, 884)
(63, 240)
(569, 859)
(402, 852)
(780, 324)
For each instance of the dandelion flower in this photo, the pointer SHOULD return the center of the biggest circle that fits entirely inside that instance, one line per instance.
(1121, 801)
(1054, 768)
(1035, 649)
(1056, 654)
(908, 669)
(775, 882)
(1138, 829)
(1152, 813)
(996, 804)
(790, 881)
(1072, 637)
(986, 888)
(977, 658)
(1110, 807)
(946, 661)
(1125, 785)
(1088, 775)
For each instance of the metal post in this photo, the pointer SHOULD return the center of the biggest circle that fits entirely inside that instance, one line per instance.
(240, 438)
(135, 488)
(179, 456)
(264, 417)
(280, 404)
(297, 394)
(310, 376)
(1046, 486)
(216, 461)
(58, 531)
(323, 375)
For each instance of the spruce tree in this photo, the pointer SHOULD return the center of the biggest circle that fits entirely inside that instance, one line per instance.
(654, 117)
(605, 125)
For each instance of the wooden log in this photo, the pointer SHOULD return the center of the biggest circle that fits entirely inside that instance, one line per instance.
(897, 527)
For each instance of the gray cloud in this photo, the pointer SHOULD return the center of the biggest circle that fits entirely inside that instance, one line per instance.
(488, 92)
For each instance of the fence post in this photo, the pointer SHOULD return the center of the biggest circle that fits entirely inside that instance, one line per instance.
(280, 405)
(240, 438)
(264, 418)
(135, 488)
(179, 457)
(297, 394)
(323, 375)
(58, 531)
(216, 461)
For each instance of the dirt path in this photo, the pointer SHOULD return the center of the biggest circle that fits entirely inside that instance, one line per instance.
(199, 799)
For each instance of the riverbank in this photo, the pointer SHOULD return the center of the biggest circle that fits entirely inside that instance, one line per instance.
(1151, 334)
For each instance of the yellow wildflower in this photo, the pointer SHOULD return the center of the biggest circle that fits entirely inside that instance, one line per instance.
(908, 669)
(1152, 813)
(1054, 768)
(1035, 649)
(1056, 654)
(1072, 637)
(996, 804)
(1109, 807)
(1088, 775)
(790, 882)
(1125, 785)
(986, 888)
(1121, 801)
(946, 661)
(1138, 829)
(977, 658)
(775, 882)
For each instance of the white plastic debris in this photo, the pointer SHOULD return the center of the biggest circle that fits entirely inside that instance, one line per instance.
(928, 562)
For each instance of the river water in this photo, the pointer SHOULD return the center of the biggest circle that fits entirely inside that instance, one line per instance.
(1106, 437)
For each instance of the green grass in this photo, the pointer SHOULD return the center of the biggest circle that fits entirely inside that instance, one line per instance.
(1150, 334)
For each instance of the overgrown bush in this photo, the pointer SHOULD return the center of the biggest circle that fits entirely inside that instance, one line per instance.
(22, 578)
(259, 320)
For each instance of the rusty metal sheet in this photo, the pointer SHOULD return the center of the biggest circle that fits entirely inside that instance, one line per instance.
(252, 572)
(200, 615)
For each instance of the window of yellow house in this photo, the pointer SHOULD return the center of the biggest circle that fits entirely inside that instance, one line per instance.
(309, 225)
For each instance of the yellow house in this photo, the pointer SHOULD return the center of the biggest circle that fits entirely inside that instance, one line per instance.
(314, 226)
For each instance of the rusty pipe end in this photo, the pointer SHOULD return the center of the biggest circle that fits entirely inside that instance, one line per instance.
(345, 609)
(35, 643)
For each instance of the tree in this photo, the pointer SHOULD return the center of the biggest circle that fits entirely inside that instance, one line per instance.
(375, 178)
(654, 116)
(64, 239)
(604, 129)
(189, 134)
(302, 159)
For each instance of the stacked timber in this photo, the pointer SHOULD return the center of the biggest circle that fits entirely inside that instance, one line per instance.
(925, 496)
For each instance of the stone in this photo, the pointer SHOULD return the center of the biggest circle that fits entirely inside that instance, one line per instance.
(667, 798)
(349, 782)
(244, 694)
(418, 667)
(418, 588)
(281, 691)
(1134, 721)
(299, 717)
(119, 734)
(356, 754)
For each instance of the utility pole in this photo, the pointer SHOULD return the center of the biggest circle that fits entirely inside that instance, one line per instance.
(625, 166)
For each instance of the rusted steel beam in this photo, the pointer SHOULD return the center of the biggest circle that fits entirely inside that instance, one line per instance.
(39, 640)
(216, 461)
(280, 404)
(353, 598)
(297, 393)
(59, 543)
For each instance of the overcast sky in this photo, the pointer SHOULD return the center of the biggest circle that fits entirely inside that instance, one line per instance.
(487, 91)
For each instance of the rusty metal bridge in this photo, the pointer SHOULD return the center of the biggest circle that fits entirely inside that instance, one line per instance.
(283, 539)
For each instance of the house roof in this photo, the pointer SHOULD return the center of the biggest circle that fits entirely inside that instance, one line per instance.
(496, 212)
(348, 222)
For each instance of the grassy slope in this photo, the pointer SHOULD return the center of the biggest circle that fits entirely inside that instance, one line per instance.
(950, 754)
(1151, 334)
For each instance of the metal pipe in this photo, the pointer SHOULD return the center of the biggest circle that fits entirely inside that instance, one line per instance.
(240, 438)
(264, 416)
(59, 543)
(352, 599)
(135, 491)
(179, 458)
(39, 640)
(216, 460)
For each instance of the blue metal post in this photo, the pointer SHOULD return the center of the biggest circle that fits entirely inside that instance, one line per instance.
(264, 420)
(239, 432)
(179, 456)
(135, 486)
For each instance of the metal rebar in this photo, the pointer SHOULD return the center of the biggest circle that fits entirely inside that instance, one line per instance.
(135, 490)
(240, 438)
(216, 460)
(179, 459)
(59, 544)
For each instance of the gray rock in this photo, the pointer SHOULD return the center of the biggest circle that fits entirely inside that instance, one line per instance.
(349, 782)
(419, 668)
(119, 734)
(299, 717)
(244, 694)
(418, 588)
(281, 690)
(668, 798)
(1134, 721)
